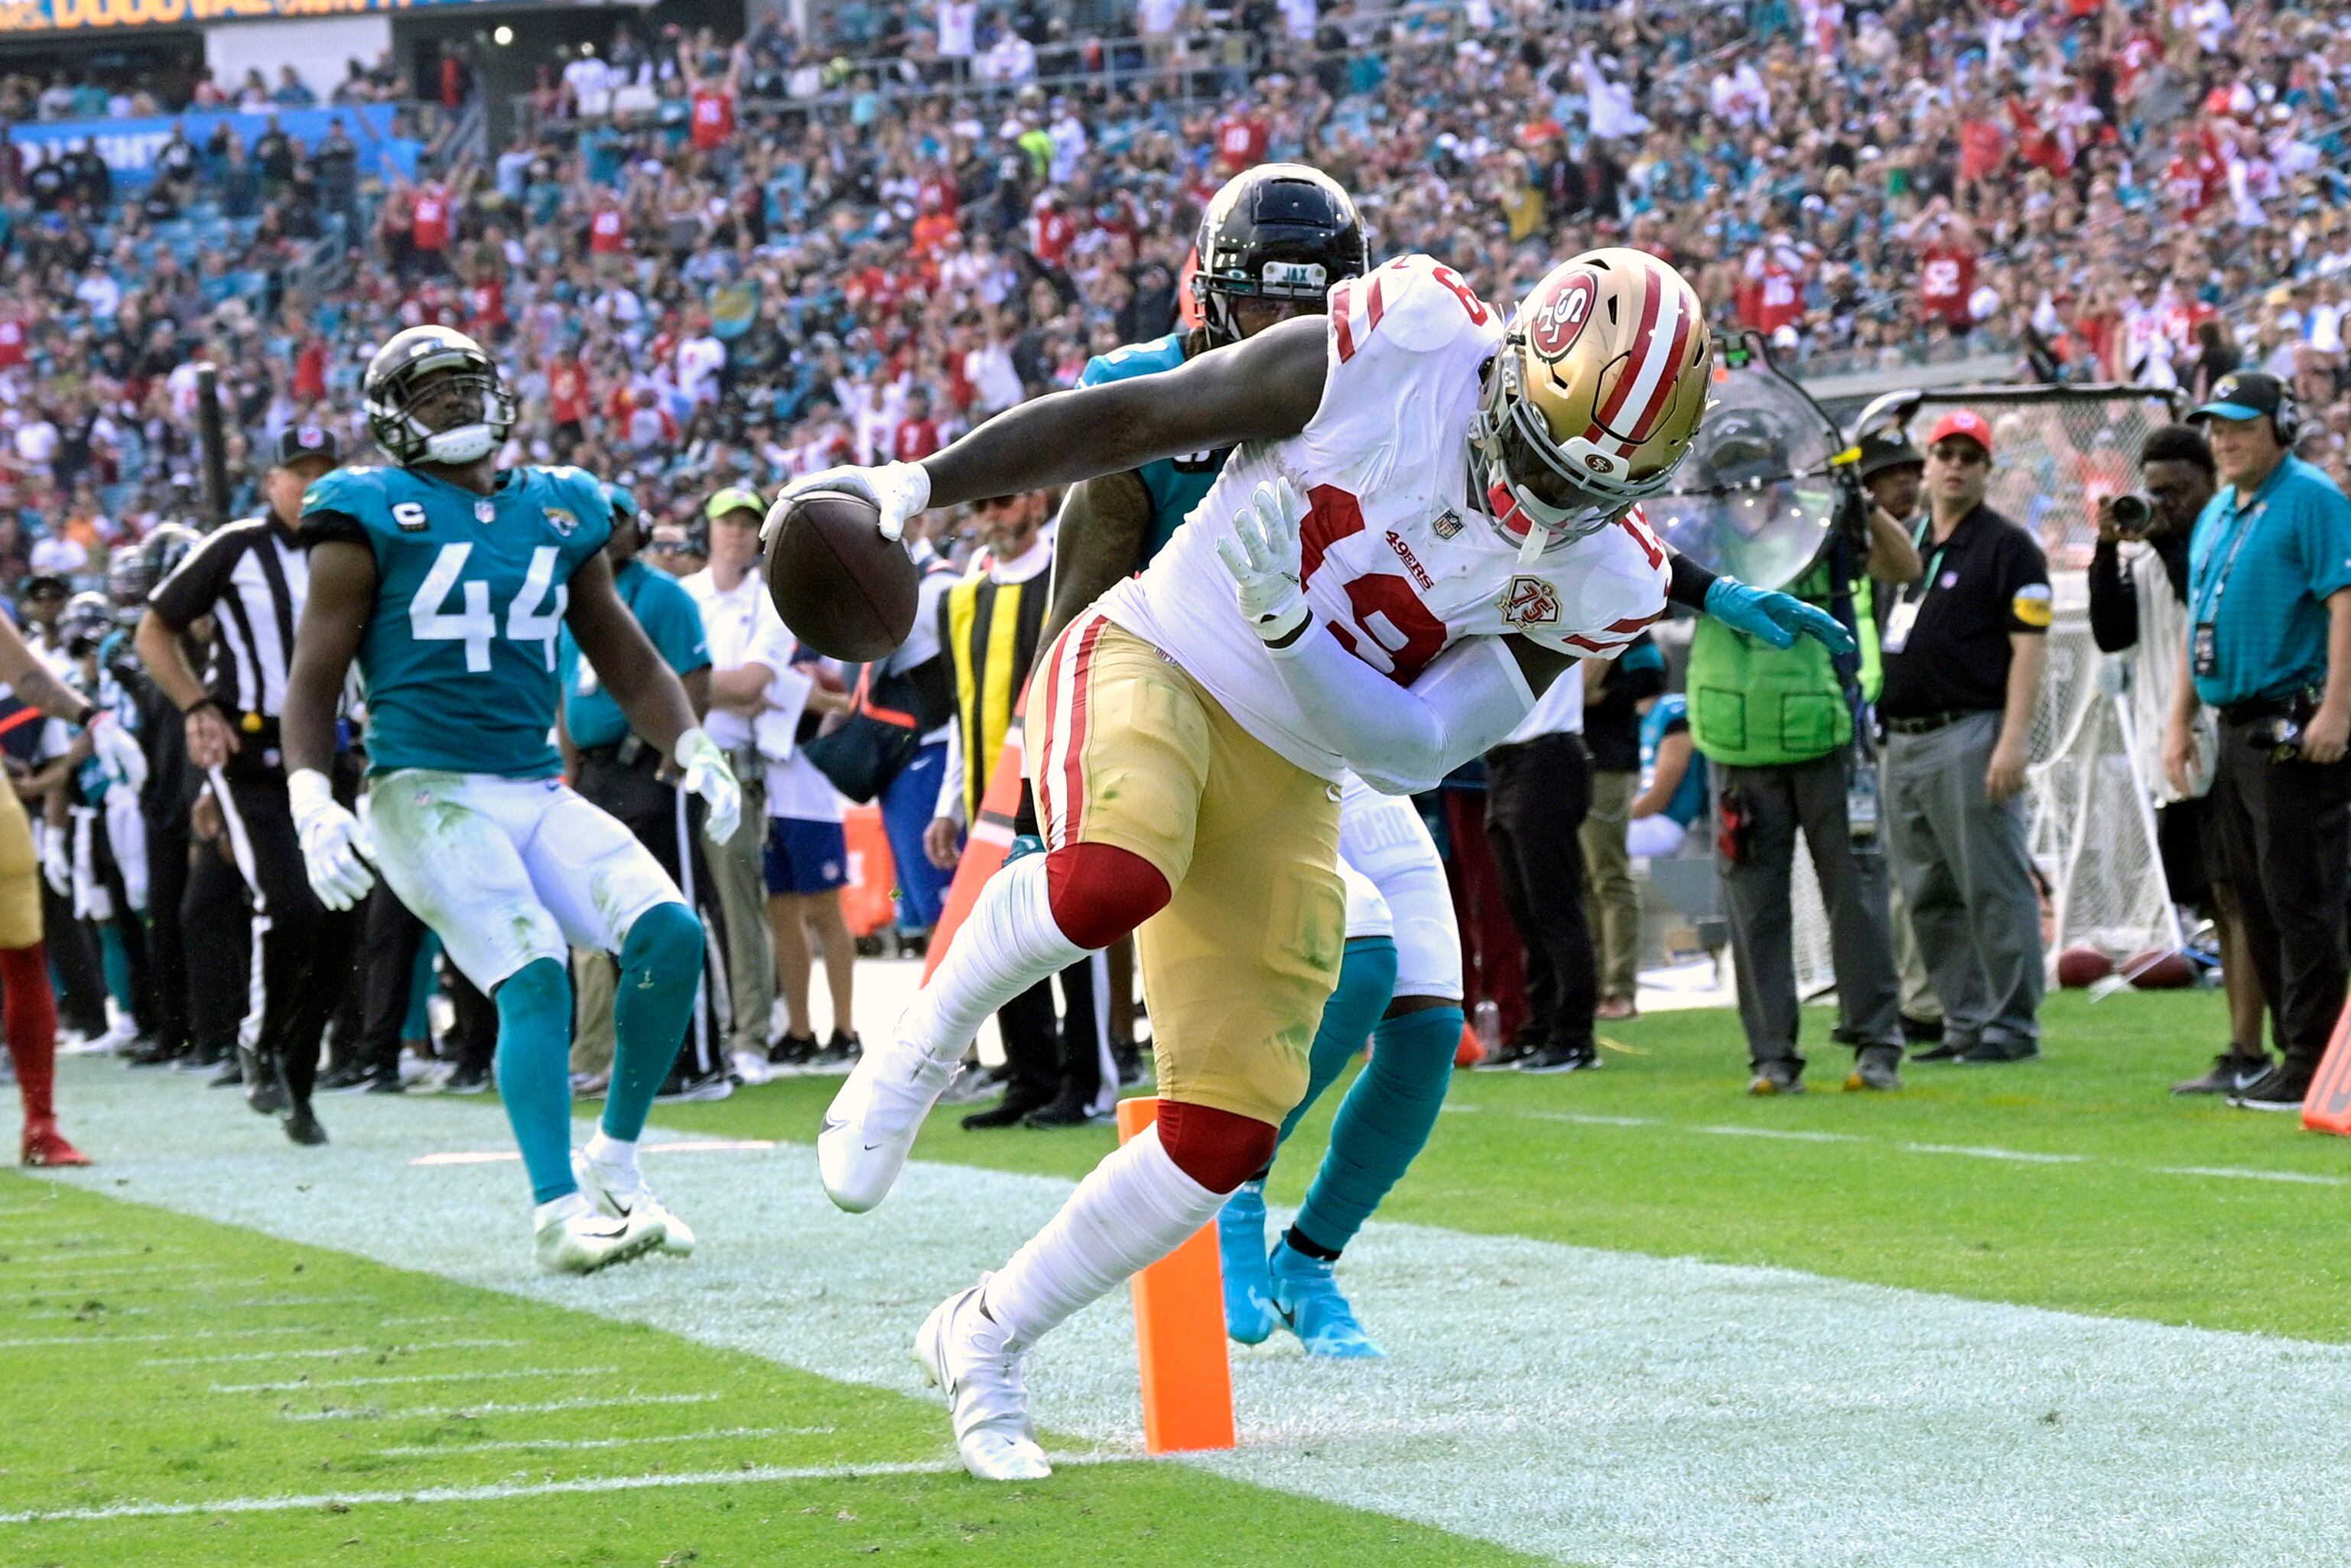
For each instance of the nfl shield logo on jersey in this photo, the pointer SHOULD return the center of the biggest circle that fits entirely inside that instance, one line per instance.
(563, 522)
(1530, 601)
(1447, 524)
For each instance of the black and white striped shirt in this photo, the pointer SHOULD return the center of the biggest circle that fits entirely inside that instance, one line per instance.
(252, 576)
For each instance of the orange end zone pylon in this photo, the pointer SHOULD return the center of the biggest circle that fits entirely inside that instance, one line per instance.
(1179, 1333)
(2327, 1107)
(985, 845)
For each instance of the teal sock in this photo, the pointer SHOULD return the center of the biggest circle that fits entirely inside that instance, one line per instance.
(1383, 1123)
(418, 1025)
(533, 1065)
(1367, 973)
(660, 966)
(114, 961)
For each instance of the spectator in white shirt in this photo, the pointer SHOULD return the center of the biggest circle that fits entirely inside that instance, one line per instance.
(958, 29)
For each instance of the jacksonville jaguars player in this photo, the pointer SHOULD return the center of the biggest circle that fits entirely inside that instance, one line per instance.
(1272, 243)
(451, 582)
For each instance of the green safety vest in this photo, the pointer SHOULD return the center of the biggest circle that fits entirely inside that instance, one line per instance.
(1756, 706)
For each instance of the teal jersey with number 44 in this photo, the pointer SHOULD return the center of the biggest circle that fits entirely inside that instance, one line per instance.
(459, 656)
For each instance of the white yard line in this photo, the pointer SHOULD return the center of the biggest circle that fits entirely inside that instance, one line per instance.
(568, 1445)
(533, 1407)
(1601, 1409)
(305, 1384)
(760, 1475)
(2243, 1173)
(333, 1354)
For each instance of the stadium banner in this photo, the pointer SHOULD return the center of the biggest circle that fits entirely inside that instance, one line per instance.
(129, 146)
(86, 16)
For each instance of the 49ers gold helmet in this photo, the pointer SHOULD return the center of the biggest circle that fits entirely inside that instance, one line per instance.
(1593, 397)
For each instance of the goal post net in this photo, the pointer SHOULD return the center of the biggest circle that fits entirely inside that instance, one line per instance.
(2058, 451)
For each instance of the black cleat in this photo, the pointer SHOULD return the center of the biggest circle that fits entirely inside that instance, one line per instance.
(1065, 1111)
(1560, 1058)
(1010, 1112)
(2231, 1073)
(466, 1081)
(1998, 1053)
(792, 1051)
(302, 1126)
(2282, 1088)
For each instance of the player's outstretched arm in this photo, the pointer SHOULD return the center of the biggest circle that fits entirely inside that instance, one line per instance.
(25, 674)
(1260, 389)
(651, 696)
(1100, 541)
(342, 598)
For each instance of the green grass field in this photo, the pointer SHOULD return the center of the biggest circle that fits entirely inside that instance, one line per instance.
(150, 1360)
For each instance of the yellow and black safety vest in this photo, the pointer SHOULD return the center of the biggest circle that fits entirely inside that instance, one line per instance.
(990, 630)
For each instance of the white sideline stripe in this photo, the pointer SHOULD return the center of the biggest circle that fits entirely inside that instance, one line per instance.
(68, 1255)
(535, 1408)
(333, 1354)
(1610, 1409)
(428, 1450)
(2240, 1173)
(503, 1156)
(757, 1476)
(101, 1338)
(299, 1384)
(63, 1269)
(1968, 1151)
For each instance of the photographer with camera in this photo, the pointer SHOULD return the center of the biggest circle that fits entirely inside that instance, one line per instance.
(2269, 645)
(2139, 606)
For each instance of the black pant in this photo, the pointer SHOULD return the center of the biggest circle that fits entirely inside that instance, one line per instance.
(305, 947)
(2285, 836)
(215, 912)
(167, 888)
(73, 954)
(1537, 793)
(394, 937)
(1049, 1062)
(651, 809)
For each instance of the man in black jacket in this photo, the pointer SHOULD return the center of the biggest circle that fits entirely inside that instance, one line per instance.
(2139, 598)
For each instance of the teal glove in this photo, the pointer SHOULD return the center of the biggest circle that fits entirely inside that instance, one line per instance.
(1773, 618)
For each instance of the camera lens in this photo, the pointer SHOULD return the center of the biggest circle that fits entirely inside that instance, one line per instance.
(2132, 512)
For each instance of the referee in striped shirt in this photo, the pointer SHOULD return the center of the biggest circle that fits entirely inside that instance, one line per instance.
(251, 577)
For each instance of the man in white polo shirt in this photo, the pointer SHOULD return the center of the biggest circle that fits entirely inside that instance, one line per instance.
(748, 645)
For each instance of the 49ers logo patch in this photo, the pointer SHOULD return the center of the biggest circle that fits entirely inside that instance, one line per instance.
(1558, 320)
(1530, 601)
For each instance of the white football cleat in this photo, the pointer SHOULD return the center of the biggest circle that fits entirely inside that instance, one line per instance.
(870, 1125)
(968, 1356)
(620, 1193)
(576, 1240)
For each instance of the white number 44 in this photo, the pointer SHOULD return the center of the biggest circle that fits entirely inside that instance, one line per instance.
(535, 616)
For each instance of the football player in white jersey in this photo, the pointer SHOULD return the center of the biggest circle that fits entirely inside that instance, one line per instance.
(1428, 514)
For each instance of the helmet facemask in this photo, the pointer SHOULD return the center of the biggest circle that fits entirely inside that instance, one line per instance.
(1540, 490)
(454, 376)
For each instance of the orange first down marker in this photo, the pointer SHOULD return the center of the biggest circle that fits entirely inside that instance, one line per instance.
(1179, 1333)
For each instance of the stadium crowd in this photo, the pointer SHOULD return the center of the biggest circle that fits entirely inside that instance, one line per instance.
(707, 263)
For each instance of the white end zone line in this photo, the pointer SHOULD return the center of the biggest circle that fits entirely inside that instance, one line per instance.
(335, 1353)
(1965, 1151)
(297, 1384)
(755, 1476)
(505, 1156)
(451, 1451)
(533, 1407)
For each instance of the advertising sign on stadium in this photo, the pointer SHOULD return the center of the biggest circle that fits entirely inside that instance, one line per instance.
(129, 146)
(50, 15)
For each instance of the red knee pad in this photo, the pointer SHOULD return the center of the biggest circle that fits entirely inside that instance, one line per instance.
(1099, 892)
(1215, 1148)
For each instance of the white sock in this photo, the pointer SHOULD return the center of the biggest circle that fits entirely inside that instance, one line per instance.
(1133, 1209)
(555, 1209)
(1007, 944)
(611, 1153)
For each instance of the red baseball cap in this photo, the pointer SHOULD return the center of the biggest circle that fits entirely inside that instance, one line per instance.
(1962, 422)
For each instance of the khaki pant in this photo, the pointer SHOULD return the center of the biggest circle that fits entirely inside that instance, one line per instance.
(1126, 749)
(594, 979)
(738, 868)
(1612, 898)
(20, 875)
(1919, 1002)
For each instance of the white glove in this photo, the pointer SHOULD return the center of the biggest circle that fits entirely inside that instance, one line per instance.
(708, 776)
(900, 490)
(331, 836)
(117, 750)
(1263, 557)
(57, 860)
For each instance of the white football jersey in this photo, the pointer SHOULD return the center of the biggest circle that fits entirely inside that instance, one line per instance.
(1397, 561)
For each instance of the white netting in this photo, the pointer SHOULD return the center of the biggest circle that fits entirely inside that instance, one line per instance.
(2093, 827)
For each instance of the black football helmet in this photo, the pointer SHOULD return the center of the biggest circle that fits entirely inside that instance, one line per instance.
(399, 372)
(1281, 231)
(84, 623)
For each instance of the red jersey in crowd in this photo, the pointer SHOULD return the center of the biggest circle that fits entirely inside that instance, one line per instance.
(1241, 142)
(429, 228)
(11, 342)
(713, 116)
(1772, 295)
(1947, 276)
(2193, 177)
(567, 393)
(608, 232)
(310, 371)
(1982, 149)
(486, 307)
(914, 440)
(1051, 232)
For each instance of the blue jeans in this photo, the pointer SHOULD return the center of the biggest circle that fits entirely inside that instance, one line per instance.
(908, 804)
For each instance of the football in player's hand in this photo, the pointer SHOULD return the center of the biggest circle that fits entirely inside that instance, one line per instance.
(841, 588)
